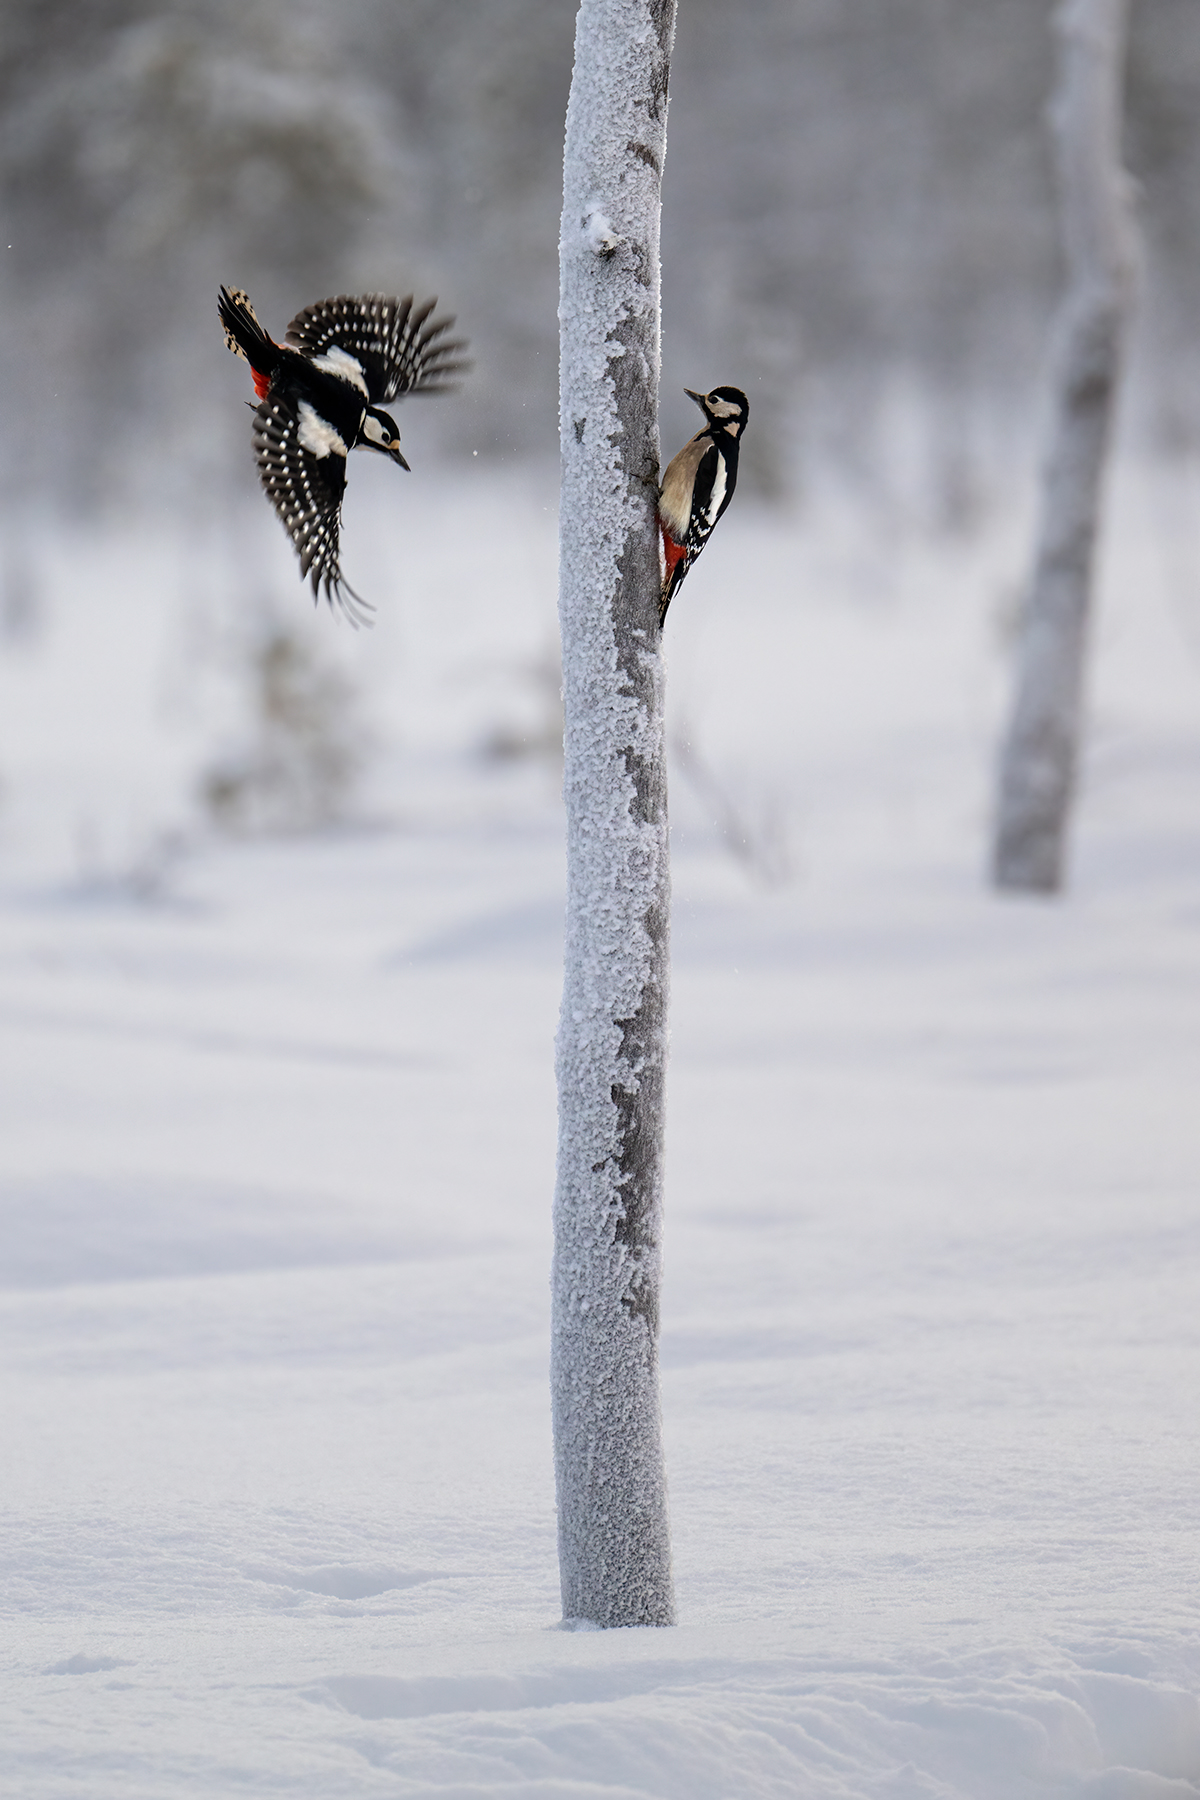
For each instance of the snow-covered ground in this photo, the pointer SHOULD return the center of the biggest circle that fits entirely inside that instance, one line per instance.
(276, 1167)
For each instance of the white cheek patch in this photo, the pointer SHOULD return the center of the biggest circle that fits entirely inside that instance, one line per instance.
(318, 437)
(346, 367)
(377, 433)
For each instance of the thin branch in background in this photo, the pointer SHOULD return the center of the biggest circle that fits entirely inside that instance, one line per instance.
(20, 583)
(303, 748)
(541, 676)
(141, 874)
(757, 836)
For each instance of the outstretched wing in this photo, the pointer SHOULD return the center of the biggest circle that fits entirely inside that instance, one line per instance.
(306, 491)
(376, 342)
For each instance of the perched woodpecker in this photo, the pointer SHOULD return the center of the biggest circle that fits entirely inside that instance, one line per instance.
(698, 485)
(319, 398)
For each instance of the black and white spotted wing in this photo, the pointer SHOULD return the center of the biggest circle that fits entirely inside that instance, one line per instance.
(385, 345)
(306, 491)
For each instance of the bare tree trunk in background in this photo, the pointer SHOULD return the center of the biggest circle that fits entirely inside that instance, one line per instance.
(1037, 769)
(614, 1543)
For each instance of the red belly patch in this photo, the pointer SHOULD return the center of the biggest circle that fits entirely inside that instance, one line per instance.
(673, 553)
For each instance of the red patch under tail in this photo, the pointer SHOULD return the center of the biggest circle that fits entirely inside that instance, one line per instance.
(673, 555)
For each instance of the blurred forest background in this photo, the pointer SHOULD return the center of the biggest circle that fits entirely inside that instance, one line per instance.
(858, 228)
(858, 222)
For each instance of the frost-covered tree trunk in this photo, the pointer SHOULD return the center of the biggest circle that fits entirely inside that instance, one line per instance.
(614, 1543)
(1037, 768)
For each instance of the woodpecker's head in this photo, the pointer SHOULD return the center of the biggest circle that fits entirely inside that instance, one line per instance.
(379, 431)
(726, 408)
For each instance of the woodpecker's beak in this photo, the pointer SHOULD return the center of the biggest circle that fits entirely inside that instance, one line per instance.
(395, 455)
(698, 398)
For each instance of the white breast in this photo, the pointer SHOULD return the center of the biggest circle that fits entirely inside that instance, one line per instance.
(317, 436)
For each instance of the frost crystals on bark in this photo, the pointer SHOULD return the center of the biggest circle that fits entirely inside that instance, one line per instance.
(614, 1546)
(1037, 768)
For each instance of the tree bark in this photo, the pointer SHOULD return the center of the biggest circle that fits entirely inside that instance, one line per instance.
(614, 1543)
(1040, 754)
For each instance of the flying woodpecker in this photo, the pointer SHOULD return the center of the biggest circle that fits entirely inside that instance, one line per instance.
(318, 399)
(698, 485)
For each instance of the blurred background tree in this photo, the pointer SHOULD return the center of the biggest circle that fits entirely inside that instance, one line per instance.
(858, 223)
